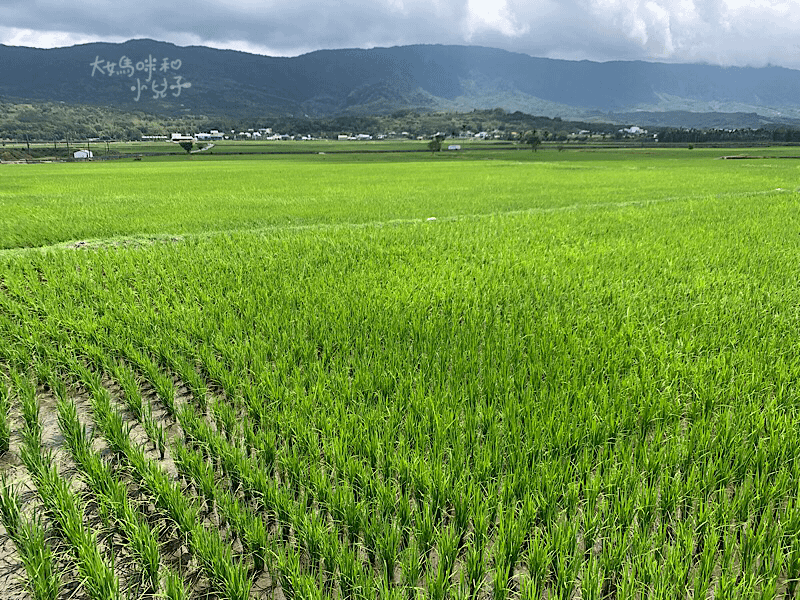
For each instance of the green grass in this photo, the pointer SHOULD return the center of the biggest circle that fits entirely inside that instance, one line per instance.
(581, 376)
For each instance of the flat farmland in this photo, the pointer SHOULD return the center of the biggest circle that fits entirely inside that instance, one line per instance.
(499, 375)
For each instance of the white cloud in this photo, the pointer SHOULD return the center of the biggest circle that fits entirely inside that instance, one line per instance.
(15, 36)
(493, 15)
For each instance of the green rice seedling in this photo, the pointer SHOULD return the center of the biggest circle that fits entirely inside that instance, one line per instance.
(353, 518)
(565, 572)
(217, 561)
(500, 578)
(626, 586)
(461, 510)
(592, 528)
(793, 568)
(612, 558)
(311, 535)
(5, 409)
(438, 584)
(164, 388)
(330, 558)
(448, 549)
(289, 573)
(192, 466)
(320, 488)
(386, 591)
(591, 580)
(480, 521)
(538, 559)
(42, 578)
(159, 436)
(96, 575)
(728, 587)
(111, 494)
(388, 544)
(10, 508)
(350, 577)
(44, 582)
(706, 564)
(668, 499)
(411, 564)
(403, 519)
(143, 543)
(386, 499)
(474, 569)
(226, 418)
(215, 557)
(266, 443)
(645, 562)
(283, 510)
(75, 434)
(188, 374)
(130, 390)
(308, 589)
(173, 586)
(748, 546)
(30, 406)
(647, 508)
(510, 537)
(163, 385)
(373, 532)
(425, 531)
(767, 591)
(438, 491)
(676, 565)
(256, 539)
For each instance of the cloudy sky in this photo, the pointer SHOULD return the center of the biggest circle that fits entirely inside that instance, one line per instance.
(726, 32)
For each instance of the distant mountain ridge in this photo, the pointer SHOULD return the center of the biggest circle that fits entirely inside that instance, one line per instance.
(160, 77)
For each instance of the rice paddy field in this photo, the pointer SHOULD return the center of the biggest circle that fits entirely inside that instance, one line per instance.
(551, 375)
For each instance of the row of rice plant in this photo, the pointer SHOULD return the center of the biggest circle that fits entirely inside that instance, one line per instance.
(62, 505)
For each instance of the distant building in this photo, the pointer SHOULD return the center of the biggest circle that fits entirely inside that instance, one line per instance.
(212, 135)
(82, 154)
(454, 147)
(181, 137)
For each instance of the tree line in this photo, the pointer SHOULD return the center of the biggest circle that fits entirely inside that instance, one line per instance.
(58, 122)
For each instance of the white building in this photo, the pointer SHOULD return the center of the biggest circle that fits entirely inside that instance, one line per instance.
(211, 135)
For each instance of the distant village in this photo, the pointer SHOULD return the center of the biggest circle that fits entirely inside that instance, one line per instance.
(267, 134)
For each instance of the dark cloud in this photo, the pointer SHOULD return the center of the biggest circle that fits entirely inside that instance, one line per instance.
(715, 31)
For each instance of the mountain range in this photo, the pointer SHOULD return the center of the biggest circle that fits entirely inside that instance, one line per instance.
(163, 78)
